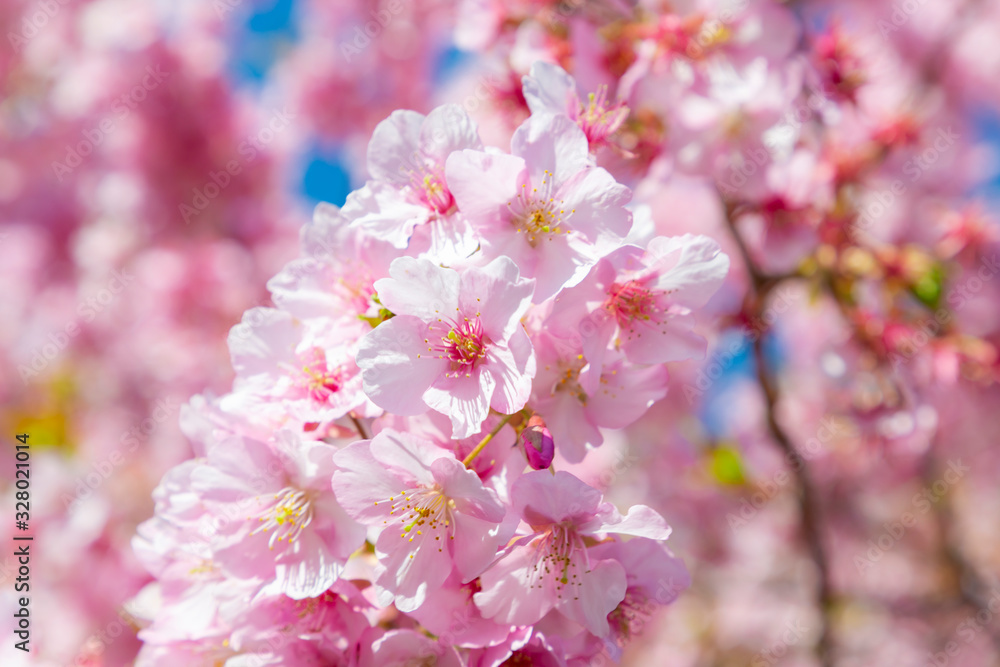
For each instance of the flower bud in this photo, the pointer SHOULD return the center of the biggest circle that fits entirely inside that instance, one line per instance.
(538, 444)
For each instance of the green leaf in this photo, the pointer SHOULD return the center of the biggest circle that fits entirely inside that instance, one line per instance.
(928, 287)
(726, 466)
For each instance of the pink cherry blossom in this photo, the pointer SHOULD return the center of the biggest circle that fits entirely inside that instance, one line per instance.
(549, 89)
(641, 302)
(401, 648)
(835, 153)
(449, 613)
(551, 567)
(526, 645)
(454, 345)
(430, 512)
(289, 369)
(545, 206)
(275, 513)
(406, 159)
(655, 577)
(577, 399)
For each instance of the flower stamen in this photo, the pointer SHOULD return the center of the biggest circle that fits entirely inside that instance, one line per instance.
(286, 516)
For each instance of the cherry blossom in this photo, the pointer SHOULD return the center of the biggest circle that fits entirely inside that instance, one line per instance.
(406, 159)
(431, 513)
(455, 342)
(551, 567)
(277, 519)
(544, 206)
(641, 301)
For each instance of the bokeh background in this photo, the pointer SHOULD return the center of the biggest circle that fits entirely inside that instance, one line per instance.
(157, 159)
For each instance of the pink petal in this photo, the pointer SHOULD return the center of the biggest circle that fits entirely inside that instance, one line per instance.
(475, 545)
(552, 143)
(361, 483)
(411, 567)
(652, 342)
(562, 262)
(510, 593)
(384, 213)
(542, 498)
(420, 288)
(623, 397)
(497, 292)
(264, 337)
(466, 400)
(403, 452)
(465, 488)
(641, 521)
(395, 367)
(512, 368)
(697, 268)
(601, 589)
(598, 204)
(571, 430)
(448, 128)
(392, 145)
(306, 568)
(548, 88)
(483, 184)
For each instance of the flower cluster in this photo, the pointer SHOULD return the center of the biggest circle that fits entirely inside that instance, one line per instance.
(378, 487)
(831, 458)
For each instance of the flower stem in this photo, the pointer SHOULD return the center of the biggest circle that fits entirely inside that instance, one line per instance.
(362, 433)
(485, 441)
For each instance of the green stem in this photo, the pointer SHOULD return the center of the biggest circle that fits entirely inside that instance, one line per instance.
(485, 441)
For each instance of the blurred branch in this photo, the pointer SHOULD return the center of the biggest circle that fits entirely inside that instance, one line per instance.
(362, 431)
(809, 518)
(971, 585)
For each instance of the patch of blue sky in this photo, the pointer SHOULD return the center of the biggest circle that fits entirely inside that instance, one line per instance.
(260, 32)
(731, 363)
(325, 176)
(987, 126)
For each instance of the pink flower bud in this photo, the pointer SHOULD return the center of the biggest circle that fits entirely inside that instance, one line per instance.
(538, 444)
